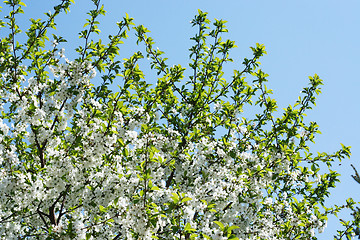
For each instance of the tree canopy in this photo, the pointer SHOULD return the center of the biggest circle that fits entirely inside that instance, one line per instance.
(126, 157)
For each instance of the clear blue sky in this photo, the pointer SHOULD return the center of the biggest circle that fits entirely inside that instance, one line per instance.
(301, 37)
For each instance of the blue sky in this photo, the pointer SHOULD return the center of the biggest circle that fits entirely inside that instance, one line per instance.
(301, 37)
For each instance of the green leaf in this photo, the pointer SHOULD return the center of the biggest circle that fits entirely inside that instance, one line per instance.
(102, 209)
(186, 199)
(188, 228)
(220, 225)
(175, 197)
(232, 228)
(155, 188)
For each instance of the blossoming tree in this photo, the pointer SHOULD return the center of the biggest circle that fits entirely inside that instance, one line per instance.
(173, 159)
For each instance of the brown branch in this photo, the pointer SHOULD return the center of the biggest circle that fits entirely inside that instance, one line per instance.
(168, 181)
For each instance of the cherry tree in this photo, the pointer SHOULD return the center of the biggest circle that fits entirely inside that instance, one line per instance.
(126, 158)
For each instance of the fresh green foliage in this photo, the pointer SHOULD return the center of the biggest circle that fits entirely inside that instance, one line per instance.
(128, 158)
